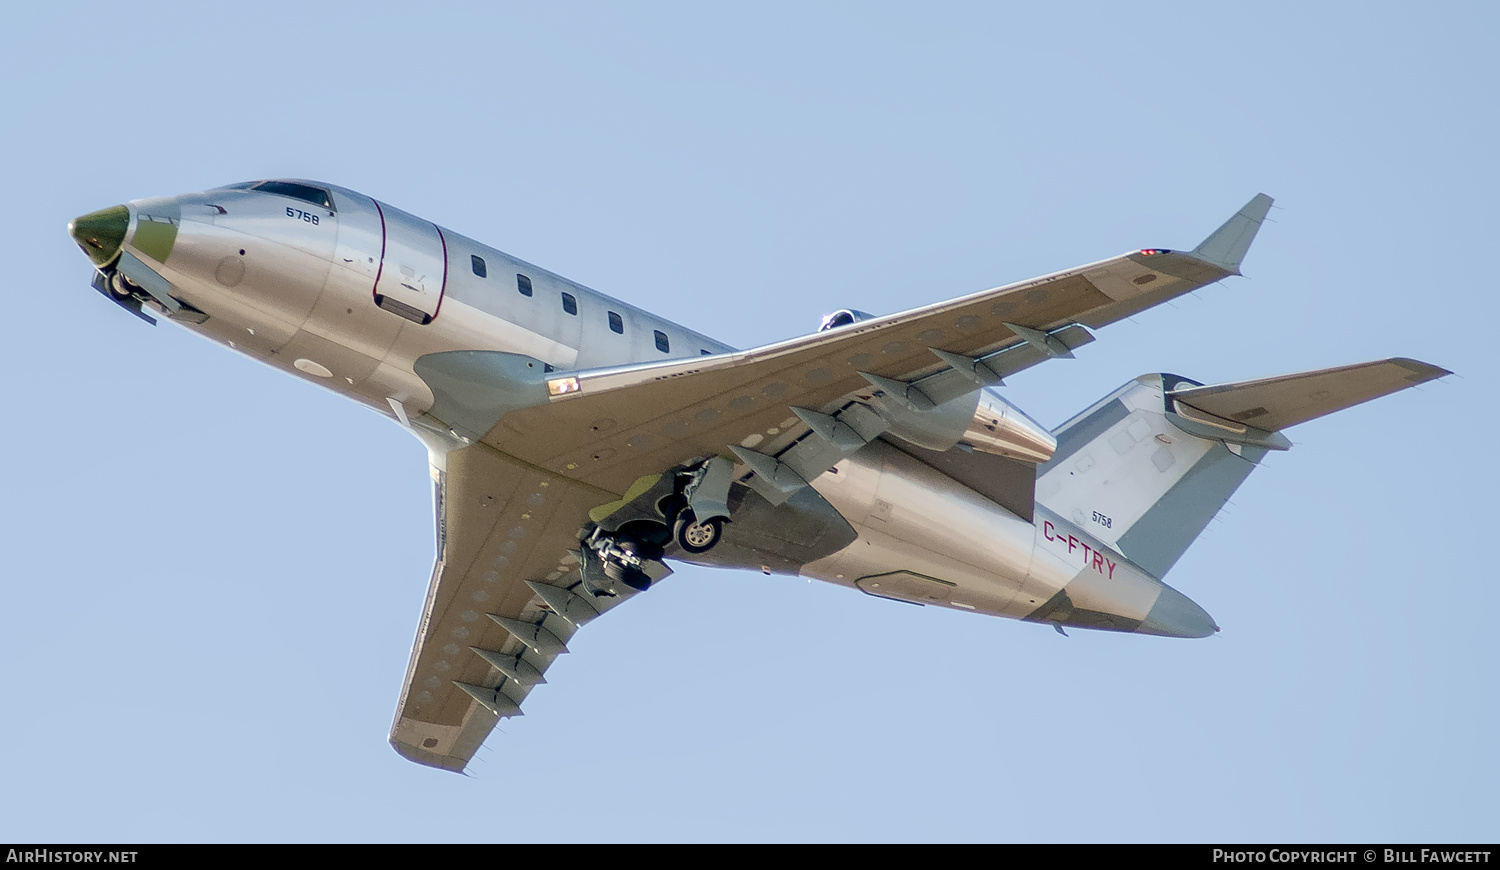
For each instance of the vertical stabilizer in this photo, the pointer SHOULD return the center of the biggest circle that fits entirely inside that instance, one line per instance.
(1128, 475)
(1145, 469)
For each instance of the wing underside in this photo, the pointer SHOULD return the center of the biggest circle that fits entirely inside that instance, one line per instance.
(500, 524)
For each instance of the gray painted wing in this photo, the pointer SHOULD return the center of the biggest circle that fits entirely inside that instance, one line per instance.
(500, 524)
(1276, 403)
(613, 426)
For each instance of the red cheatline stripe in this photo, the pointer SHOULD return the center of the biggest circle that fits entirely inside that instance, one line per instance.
(443, 290)
(380, 267)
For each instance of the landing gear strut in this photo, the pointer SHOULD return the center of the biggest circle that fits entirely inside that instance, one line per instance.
(614, 559)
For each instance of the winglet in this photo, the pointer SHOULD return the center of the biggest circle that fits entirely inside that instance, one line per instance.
(1227, 246)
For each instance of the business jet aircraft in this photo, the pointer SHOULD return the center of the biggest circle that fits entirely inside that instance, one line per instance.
(577, 442)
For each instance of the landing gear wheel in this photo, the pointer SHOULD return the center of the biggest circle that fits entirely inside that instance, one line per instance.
(122, 287)
(633, 577)
(695, 537)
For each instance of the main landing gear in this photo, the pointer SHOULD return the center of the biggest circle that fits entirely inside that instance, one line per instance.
(697, 517)
(687, 509)
(611, 559)
(693, 536)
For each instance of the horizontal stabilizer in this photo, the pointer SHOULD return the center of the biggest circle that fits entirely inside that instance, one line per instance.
(1276, 403)
(1229, 243)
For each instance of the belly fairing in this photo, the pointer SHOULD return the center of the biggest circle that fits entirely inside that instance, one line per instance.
(924, 538)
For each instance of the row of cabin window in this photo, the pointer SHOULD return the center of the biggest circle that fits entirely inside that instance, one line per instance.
(570, 304)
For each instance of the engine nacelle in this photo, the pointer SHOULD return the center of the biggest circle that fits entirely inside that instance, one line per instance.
(980, 420)
(842, 317)
(1003, 429)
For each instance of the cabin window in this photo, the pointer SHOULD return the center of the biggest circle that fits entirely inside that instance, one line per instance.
(661, 341)
(616, 323)
(570, 304)
(477, 262)
(523, 284)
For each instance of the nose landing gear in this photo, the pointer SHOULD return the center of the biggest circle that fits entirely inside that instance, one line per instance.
(122, 287)
(121, 291)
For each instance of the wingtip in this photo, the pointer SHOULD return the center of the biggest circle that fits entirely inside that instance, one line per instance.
(1227, 246)
(426, 757)
(1258, 206)
(1421, 372)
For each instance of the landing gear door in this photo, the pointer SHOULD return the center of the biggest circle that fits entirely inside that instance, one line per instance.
(413, 266)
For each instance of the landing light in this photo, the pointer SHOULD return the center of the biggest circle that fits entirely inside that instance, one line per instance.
(562, 386)
(1151, 252)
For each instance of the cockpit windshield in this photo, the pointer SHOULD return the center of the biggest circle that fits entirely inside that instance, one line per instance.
(296, 190)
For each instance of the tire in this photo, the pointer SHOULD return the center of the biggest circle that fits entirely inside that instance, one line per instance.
(122, 287)
(695, 537)
(635, 578)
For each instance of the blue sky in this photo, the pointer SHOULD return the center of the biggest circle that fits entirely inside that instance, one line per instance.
(215, 570)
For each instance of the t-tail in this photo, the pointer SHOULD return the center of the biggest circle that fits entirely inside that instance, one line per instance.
(1139, 475)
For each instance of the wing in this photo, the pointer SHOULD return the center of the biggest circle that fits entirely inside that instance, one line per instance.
(487, 635)
(607, 428)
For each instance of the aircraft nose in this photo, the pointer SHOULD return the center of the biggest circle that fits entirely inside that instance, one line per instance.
(101, 233)
(1176, 615)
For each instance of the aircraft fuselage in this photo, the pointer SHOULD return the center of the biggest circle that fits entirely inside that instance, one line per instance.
(348, 293)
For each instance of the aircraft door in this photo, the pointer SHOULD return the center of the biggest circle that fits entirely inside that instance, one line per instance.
(413, 266)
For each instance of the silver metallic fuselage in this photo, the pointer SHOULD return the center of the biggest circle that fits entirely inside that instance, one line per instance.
(295, 286)
(304, 291)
